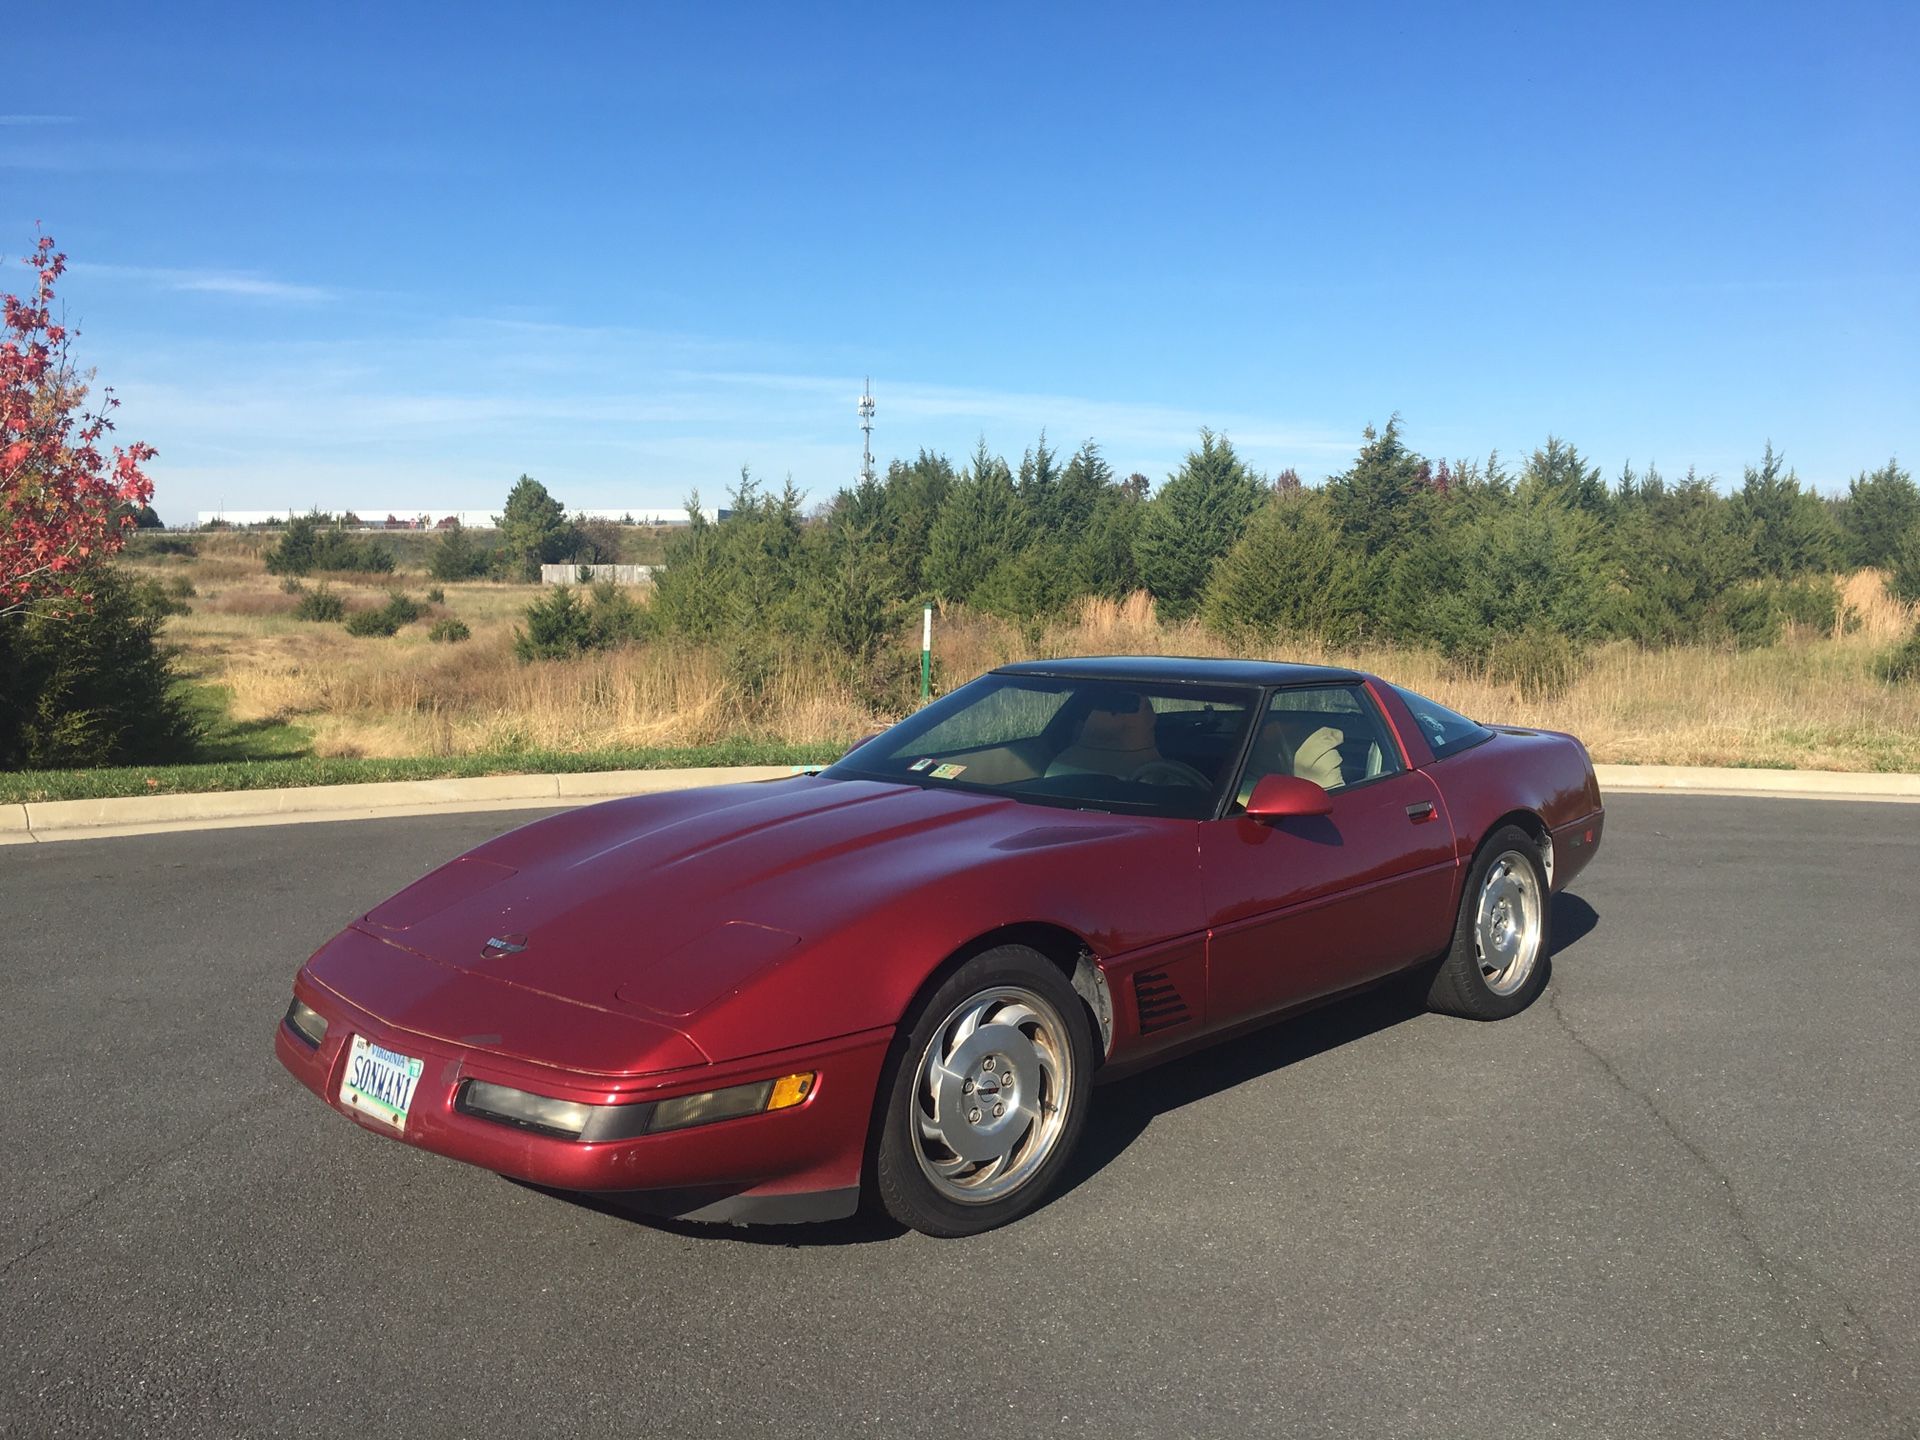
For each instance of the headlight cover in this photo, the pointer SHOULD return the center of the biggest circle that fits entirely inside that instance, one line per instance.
(593, 1124)
(308, 1023)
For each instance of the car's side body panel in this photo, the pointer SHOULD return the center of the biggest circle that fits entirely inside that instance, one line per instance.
(1308, 906)
(1528, 772)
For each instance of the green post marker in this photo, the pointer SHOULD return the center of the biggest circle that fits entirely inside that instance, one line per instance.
(926, 654)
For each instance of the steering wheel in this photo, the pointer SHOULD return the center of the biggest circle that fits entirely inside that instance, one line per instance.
(1170, 772)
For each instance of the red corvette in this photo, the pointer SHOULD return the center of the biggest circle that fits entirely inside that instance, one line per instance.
(902, 977)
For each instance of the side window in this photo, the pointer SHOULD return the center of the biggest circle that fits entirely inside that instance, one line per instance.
(1445, 730)
(1331, 735)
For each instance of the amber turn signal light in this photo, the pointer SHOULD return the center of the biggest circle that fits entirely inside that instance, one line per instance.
(790, 1090)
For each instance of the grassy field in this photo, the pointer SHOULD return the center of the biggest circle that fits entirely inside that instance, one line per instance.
(34, 786)
(1810, 702)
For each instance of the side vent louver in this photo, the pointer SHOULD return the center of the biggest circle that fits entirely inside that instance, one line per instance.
(1158, 1001)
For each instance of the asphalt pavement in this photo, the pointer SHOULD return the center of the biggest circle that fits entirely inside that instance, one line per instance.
(1677, 1196)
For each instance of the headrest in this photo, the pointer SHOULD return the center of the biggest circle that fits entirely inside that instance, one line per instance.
(1112, 728)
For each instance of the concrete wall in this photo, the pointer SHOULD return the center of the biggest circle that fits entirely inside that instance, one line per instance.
(619, 574)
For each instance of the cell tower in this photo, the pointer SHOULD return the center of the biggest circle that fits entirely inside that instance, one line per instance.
(866, 433)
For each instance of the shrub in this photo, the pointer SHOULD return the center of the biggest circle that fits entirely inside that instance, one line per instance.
(449, 630)
(93, 687)
(456, 557)
(387, 619)
(371, 622)
(1539, 662)
(292, 585)
(321, 604)
(1903, 566)
(160, 600)
(1901, 666)
(1749, 617)
(436, 596)
(1812, 604)
(558, 628)
(307, 546)
(404, 608)
(181, 588)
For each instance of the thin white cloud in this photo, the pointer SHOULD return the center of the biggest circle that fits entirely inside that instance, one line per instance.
(238, 284)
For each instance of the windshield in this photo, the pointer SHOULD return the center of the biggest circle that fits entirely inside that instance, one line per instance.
(1130, 747)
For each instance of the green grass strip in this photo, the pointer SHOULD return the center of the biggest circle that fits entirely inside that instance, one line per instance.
(34, 786)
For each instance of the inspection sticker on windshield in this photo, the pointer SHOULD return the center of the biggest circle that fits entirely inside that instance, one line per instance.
(380, 1082)
(946, 772)
(919, 764)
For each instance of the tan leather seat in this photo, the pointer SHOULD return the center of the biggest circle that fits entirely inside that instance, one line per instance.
(1110, 742)
(1318, 758)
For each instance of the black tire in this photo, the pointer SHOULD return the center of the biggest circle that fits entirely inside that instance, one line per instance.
(1461, 985)
(902, 1185)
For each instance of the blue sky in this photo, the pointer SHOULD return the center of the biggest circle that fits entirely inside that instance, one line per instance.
(400, 254)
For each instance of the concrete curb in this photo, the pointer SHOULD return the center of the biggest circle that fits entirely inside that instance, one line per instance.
(156, 814)
(1761, 784)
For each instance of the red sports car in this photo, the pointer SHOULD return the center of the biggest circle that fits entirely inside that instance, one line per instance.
(902, 977)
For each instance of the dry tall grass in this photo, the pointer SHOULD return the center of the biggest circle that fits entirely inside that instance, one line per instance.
(1809, 702)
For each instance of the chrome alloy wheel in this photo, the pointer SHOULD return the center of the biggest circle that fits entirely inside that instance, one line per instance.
(1506, 923)
(990, 1094)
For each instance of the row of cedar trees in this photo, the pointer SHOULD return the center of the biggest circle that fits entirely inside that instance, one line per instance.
(1470, 558)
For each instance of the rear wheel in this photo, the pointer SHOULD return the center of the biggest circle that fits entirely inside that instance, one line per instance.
(1497, 963)
(988, 1096)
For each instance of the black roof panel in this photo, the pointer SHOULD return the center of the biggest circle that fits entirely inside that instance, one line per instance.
(1191, 669)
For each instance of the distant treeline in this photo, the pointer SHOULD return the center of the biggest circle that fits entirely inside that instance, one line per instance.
(1468, 557)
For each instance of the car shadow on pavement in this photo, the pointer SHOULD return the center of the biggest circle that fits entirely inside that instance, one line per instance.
(1127, 1107)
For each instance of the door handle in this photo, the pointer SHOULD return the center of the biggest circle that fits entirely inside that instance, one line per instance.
(1420, 813)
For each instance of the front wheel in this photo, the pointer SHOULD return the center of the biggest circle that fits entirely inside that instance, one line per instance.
(1498, 960)
(987, 1097)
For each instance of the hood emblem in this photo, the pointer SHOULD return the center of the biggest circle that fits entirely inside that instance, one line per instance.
(505, 945)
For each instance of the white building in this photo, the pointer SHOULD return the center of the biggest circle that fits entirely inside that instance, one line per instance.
(376, 517)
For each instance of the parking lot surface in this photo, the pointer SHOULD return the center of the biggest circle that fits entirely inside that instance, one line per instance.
(1676, 1197)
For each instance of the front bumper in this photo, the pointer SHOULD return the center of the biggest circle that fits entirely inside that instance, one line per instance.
(798, 1163)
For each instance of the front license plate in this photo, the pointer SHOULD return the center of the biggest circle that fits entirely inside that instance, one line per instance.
(380, 1082)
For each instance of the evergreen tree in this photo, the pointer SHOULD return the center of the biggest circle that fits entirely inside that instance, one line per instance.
(1031, 586)
(456, 557)
(1790, 531)
(1379, 501)
(980, 524)
(533, 530)
(860, 607)
(898, 513)
(1557, 471)
(96, 688)
(1903, 567)
(1290, 574)
(1881, 507)
(293, 554)
(1193, 521)
(1039, 488)
(1083, 487)
(1101, 554)
(1526, 566)
(1672, 554)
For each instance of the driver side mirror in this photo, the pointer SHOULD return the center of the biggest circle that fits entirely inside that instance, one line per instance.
(1278, 797)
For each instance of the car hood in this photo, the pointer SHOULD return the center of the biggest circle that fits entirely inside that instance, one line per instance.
(668, 904)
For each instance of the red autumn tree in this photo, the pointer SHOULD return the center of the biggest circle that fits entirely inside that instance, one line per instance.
(65, 502)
